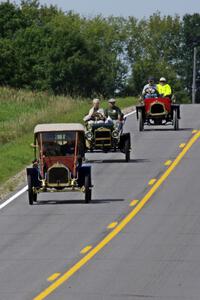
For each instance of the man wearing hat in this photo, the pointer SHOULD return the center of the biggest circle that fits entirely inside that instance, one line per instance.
(114, 113)
(163, 88)
(150, 89)
(94, 110)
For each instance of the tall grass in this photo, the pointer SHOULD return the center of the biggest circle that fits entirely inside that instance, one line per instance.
(21, 110)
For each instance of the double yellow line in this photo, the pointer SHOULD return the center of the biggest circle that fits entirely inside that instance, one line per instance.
(77, 266)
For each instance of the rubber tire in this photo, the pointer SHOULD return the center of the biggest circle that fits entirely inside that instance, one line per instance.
(141, 121)
(32, 197)
(127, 150)
(88, 191)
(176, 120)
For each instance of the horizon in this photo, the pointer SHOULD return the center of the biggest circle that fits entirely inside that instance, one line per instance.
(107, 8)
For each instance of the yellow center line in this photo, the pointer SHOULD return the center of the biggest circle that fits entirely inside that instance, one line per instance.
(53, 277)
(86, 249)
(152, 181)
(77, 266)
(112, 225)
(182, 145)
(168, 163)
(134, 202)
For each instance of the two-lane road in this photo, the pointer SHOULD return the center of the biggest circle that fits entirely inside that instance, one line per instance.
(155, 255)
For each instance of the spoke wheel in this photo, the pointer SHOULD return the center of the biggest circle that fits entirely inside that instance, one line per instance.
(176, 120)
(88, 191)
(31, 195)
(141, 121)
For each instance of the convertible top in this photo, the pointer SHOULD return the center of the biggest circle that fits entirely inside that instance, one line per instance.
(58, 127)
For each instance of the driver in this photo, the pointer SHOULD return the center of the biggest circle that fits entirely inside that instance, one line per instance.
(113, 114)
(94, 110)
(163, 88)
(150, 89)
(67, 148)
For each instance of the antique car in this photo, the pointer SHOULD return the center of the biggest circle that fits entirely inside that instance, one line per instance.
(59, 151)
(107, 137)
(158, 111)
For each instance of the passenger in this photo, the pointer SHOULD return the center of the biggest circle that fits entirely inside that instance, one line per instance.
(113, 114)
(163, 88)
(95, 111)
(67, 148)
(150, 89)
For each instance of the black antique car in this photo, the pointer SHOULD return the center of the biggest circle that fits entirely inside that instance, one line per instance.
(107, 137)
(59, 150)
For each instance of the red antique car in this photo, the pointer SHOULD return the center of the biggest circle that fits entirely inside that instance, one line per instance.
(59, 150)
(158, 111)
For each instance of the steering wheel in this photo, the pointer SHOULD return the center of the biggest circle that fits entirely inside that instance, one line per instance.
(97, 116)
(150, 91)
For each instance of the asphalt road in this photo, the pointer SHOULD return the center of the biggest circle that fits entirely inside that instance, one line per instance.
(155, 256)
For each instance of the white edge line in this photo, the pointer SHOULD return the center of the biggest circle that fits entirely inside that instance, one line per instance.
(15, 196)
(129, 114)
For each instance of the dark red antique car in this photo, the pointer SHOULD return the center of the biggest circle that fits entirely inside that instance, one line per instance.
(158, 111)
(59, 150)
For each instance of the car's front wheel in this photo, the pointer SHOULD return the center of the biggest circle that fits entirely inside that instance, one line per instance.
(88, 191)
(32, 197)
(127, 150)
(141, 121)
(176, 120)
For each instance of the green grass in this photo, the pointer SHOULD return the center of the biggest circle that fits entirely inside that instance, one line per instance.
(21, 110)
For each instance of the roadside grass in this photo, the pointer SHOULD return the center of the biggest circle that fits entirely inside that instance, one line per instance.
(21, 110)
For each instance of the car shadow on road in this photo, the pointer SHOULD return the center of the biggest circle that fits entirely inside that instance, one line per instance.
(167, 129)
(95, 201)
(117, 161)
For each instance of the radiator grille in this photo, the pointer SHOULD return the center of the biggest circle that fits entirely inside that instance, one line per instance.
(58, 175)
(157, 108)
(103, 138)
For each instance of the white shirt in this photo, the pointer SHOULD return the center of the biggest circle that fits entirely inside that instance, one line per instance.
(91, 112)
(148, 86)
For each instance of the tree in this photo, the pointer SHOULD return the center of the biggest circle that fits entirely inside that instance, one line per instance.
(8, 62)
(191, 39)
(10, 19)
(43, 48)
(153, 49)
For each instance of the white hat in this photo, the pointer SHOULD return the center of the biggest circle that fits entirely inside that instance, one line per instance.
(95, 101)
(111, 101)
(163, 79)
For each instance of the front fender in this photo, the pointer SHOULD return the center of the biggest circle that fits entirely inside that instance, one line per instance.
(142, 109)
(34, 173)
(123, 138)
(82, 172)
(176, 107)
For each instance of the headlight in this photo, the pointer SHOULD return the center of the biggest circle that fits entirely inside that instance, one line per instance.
(115, 134)
(89, 135)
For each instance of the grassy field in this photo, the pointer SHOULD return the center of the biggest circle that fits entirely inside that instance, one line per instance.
(21, 110)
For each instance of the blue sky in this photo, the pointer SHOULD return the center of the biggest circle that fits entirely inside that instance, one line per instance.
(137, 8)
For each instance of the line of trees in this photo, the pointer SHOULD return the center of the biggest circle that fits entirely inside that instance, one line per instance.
(43, 48)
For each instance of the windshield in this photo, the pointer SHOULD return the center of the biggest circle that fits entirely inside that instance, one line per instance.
(58, 143)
